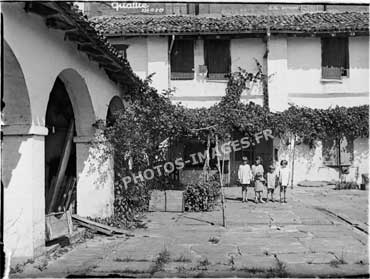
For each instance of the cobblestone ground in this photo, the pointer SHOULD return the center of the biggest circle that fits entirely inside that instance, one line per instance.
(319, 232)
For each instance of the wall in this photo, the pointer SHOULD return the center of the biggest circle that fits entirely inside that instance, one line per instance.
(305, 86)
(148, 55)
(277, 68)
(42, 55)
(308, 162)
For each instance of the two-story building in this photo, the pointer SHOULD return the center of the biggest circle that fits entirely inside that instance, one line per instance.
(318, 59)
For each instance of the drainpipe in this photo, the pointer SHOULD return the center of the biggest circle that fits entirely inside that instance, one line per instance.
(265, 56)
(169, 59)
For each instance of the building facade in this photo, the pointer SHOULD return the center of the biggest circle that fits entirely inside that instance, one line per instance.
(318, 59)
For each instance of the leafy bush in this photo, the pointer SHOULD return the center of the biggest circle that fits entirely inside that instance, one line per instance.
(346, 186)
(202, 196)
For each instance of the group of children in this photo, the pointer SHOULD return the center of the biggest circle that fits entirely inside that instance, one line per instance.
(254, 177)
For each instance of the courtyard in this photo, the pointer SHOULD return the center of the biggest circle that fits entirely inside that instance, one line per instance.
(319, 232)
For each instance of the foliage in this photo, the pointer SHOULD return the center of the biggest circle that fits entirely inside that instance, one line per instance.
(140, 128)
(202, 196)
(346, 186)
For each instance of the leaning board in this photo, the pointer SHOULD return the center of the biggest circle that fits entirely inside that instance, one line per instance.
(157, 201)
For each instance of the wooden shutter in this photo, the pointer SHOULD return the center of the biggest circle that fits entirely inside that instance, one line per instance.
(217, 58)
(334, 57)
(182, 60)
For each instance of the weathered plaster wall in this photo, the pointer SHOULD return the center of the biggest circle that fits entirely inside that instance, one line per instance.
(24, 204)
(42, 56)
(308, 162)
(305, 86)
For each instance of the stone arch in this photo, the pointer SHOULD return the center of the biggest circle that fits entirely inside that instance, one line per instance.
(81, 101)
(17, 108)
(115, 105)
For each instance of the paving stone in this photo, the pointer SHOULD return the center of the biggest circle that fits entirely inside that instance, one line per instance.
(306, 240)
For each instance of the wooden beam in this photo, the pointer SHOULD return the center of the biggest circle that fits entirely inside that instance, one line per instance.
(110, 67)
(59, 23)
(76, 37)
(40, 8)
(88, 47)
(62, 166)
(96, 224)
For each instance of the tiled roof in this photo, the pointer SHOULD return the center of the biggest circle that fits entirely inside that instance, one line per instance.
(191, 24)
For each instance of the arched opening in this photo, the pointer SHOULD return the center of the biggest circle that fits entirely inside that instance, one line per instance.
(69, 118)
(16, 102)
(115, 105)
(60, 151)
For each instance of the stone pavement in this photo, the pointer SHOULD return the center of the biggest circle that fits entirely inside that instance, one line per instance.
(319, 232)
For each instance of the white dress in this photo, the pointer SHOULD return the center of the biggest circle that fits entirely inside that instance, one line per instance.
(245, 174)
(284, 176)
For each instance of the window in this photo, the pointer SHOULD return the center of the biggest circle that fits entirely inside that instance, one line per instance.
(122, 49)
(182, 60)
(335, 58)
(217, 58)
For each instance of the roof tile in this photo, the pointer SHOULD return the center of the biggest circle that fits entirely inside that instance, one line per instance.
(309, 22)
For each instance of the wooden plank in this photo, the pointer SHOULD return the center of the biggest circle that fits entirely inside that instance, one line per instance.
(64, 194)
(62, 165)
(50, 191)
(94, 228)
(157, 201)
(64, 185)
(70, 223)
(96, 224)
(174, 201)
(70, 194)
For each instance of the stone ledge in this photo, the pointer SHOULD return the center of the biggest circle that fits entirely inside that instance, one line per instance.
(24, 130)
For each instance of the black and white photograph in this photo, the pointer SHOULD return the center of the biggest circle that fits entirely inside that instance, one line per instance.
(184, 139)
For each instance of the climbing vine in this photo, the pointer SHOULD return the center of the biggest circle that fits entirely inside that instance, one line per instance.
(151, 118)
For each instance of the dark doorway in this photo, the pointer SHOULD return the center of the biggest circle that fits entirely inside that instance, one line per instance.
(60, 152)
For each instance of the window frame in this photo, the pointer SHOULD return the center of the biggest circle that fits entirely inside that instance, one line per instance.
(186, 74)
(216, 75)
(329, 72)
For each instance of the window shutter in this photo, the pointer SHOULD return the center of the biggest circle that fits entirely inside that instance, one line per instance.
(217, 58)
(335, 57)
(182, 59)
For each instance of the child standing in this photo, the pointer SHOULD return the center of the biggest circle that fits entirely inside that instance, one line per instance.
(257, 171)
(244, 176)
(271, 182)
(284, 177)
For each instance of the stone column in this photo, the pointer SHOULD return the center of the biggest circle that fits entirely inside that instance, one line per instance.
(95, 179)
(277, 65)
(22, 175)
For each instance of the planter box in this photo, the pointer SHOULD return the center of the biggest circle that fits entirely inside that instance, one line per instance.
(170, 201)
(174, 201)
(157, 201)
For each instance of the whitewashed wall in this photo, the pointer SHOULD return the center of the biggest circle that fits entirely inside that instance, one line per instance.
(149, 55)
(305, 86)
(294, 63)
